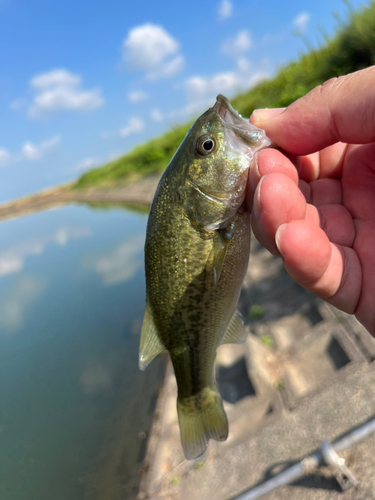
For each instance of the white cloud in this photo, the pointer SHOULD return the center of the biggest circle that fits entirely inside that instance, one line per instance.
(225, 82)
(243, 64)
(5, 156)
(134, 126)
(55, 78)
(201, 91)
(301, 21)
(61, 90)
(240, 43)
(34, 152)
(156, 115)
(197, 86)
(83, 165)
(86, 163)
(229, 82)
(149, 48)
(168, 69)
(137, 96)
(29, 151)
(18, 104)
(225, 9)
(114, 155)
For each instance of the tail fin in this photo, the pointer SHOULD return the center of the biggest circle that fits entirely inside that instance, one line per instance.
(201, 417)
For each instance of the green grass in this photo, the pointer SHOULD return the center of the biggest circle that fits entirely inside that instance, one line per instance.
(350, 49)
(146, 159)
(339, 318)
(256, 312)
(139, 208)
(267, 340)
(279, 385)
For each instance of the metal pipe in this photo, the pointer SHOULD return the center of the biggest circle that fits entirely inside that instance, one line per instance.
(356, 435)
(306, 465)
(285, 477)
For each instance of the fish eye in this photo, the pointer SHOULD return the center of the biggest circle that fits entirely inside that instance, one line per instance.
(206, 145)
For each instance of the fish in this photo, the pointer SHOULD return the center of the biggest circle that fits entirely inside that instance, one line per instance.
(196, 255)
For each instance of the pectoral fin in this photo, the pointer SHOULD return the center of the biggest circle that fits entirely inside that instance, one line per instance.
(150, 345)
(220, 250)
(236, 333)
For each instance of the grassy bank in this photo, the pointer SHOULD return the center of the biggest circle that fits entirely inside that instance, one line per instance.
(350, 49)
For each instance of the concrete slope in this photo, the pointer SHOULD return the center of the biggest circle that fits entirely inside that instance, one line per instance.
(305, 374)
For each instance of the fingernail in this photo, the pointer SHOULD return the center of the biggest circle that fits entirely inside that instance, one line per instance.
(254, 176)
(257, 206)
(259, 115)
(262, 115)
(278, 236)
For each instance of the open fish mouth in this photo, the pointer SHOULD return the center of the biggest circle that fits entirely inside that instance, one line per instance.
(252, 136)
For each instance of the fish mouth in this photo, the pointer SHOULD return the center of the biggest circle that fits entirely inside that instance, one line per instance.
(252, 136)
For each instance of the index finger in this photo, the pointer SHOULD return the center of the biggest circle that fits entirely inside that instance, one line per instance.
(342, 109)
(323, 164)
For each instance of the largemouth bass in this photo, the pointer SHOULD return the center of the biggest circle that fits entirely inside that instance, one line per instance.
(196, 256)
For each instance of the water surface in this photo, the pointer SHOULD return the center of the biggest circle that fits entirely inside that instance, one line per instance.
(74, 409)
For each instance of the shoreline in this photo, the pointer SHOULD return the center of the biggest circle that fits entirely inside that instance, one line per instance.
(138, 192)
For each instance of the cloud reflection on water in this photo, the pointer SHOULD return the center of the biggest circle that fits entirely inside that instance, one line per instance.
(12, 260)
(20, 297)
(95, 378)
(122, 263)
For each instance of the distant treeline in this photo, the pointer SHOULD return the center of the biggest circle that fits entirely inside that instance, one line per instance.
(351, 48)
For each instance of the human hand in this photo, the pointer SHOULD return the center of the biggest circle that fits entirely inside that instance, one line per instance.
(317, 210)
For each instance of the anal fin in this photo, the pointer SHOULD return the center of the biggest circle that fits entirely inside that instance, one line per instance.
(235, 333)
(150, 345)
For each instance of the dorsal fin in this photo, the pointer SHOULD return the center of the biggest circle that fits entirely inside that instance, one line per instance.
(150, 345)
(235, 333)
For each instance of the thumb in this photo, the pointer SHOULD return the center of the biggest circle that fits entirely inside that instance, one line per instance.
(342, 109)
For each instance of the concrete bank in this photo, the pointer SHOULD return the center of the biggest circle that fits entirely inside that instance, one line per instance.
(305, 374)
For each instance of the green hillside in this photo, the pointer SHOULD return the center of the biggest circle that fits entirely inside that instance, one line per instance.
(350, 49)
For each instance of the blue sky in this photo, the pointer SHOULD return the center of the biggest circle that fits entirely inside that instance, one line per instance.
(82, 82)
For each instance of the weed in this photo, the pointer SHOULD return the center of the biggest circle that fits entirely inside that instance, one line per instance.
(267, 340)
(256, 312)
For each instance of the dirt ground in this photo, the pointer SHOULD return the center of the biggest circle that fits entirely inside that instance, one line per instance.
(140, 192)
